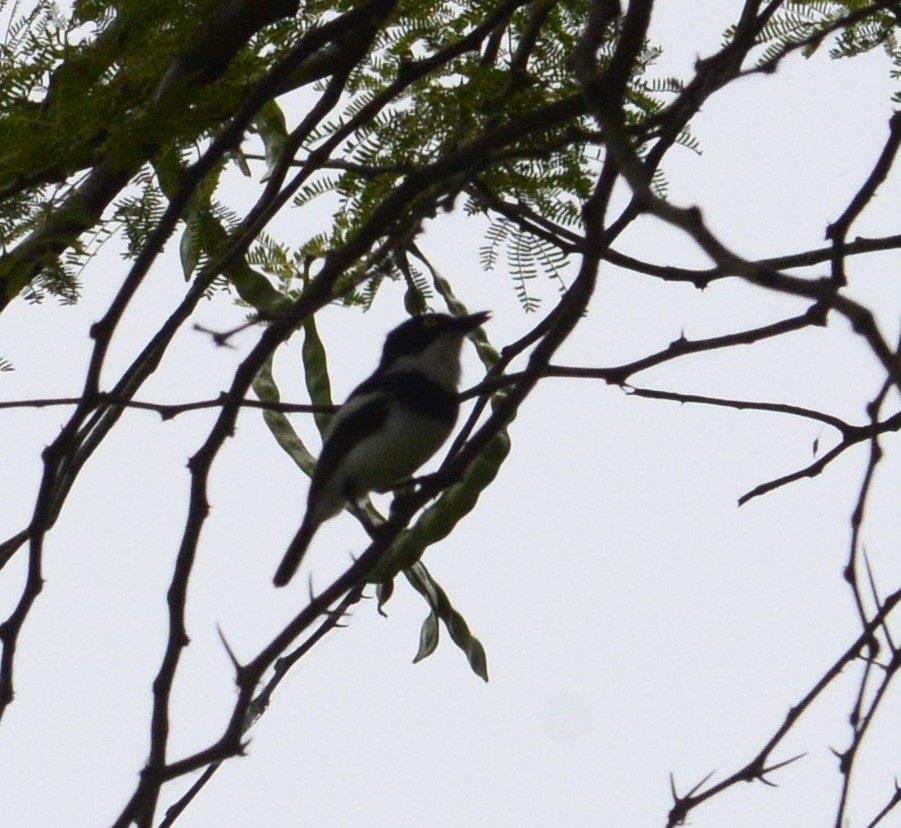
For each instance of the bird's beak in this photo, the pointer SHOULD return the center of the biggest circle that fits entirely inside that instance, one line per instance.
(464, 324)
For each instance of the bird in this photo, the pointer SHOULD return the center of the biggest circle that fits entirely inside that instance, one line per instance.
(390, 425)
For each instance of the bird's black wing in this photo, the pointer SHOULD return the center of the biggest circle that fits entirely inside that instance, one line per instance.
(364, 413)
(355, 421)
(367, 409)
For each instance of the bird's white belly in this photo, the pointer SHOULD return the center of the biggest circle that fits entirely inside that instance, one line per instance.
(396, 451)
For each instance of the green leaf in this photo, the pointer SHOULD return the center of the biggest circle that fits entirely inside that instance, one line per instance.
(383, 593)
(270, 124)
(267, 391)
(188, 251)
(428, 637)
(423, 582)
(315, 371)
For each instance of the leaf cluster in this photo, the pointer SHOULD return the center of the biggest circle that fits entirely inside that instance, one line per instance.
(117, 121)
(519, 70)
(110, 87)
(856, 27)
(96, 89)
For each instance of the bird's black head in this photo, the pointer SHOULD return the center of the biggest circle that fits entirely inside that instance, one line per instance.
(416, 334)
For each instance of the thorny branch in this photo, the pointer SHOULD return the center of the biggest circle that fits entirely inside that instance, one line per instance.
(422, 190)
(757, 768)
(77, 440)
(827, 296)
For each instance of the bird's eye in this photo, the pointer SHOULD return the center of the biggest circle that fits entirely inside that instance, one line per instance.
(429, 322)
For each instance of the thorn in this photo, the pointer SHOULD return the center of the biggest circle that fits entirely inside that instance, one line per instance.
(700, 785)
(782, 764)
(844, 760)
(232, 657)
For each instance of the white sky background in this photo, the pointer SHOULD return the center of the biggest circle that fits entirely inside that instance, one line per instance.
(637, 622)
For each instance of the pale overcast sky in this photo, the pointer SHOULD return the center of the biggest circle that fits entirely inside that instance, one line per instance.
(637, 622)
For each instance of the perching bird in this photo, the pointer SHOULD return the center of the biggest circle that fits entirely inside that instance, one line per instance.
(390, 425)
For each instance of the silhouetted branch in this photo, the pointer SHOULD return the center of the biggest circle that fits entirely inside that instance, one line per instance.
(255, 707)
(838, 230)
(593, 107)
(815, 40)
(169, 411)
(756, 768)
(775, 408)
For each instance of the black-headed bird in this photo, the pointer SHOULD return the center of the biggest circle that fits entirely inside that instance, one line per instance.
(390, 425)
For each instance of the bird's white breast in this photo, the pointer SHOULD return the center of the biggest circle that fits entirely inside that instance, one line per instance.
(395, 451)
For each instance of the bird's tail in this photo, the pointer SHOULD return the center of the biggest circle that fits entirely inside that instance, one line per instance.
(295, 553)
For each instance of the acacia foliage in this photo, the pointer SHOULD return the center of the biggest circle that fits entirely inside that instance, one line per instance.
(124, 118)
